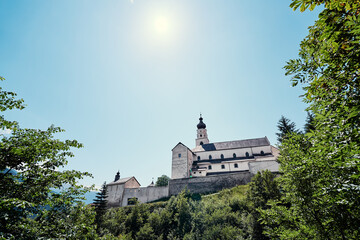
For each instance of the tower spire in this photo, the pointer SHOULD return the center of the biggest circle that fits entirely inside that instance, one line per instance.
(201, 124)
(202, 137)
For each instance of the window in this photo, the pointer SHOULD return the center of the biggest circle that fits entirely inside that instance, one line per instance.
(198, 158)
(222, 166)
(262, 152)
(200, 135)
(234, 155)
(210, 167)
(199, 172)
(247, 154)
(236, 165)
(179, 155)
(210, 157)
(201, 143)
(222, 156)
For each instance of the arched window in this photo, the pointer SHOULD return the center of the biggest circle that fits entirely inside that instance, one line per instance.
(179, 155)
(210, 157)
(247, 154)
(222, 156)
(209, 167)
(201, 143)
(198, 158)
(234, 155)
(236, 165)
(262, 152)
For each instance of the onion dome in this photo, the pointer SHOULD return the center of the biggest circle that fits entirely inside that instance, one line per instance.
(201, 125)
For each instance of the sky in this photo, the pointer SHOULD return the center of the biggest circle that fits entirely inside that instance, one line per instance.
(129, 78)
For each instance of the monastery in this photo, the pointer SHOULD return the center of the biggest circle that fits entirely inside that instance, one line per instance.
(208, 167)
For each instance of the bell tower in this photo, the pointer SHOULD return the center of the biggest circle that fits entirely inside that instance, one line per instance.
(202, 137)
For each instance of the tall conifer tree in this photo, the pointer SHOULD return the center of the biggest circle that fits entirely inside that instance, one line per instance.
(100, 203)
(285, 127)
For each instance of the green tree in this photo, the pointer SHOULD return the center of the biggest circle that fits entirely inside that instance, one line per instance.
(100, 204)
(285, 127)
(310, 122)
(321, 168)
(34, 202)
(162, 181)
(137, 218)
(262, 189)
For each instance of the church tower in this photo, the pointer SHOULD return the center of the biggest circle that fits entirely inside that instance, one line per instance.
(202, 137)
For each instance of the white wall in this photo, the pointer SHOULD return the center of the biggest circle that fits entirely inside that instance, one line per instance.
(115, 194)
(180, 163)
(255, 167)
(229, 167)
(145, 194)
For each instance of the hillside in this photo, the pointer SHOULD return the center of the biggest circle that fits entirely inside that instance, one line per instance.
(228, 214)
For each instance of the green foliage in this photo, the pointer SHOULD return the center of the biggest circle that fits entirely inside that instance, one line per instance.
(310, 124)
(320, 179)
(285, 127)
(100, 204)
(34, 202)
(229, 214)
(8, 101)
(162, 181)
(263, 188)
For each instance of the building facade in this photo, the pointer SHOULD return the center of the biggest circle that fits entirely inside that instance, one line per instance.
(208, 167)
(123, 191)
(208, 158)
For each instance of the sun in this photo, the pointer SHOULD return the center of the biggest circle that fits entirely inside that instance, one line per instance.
(162, 25)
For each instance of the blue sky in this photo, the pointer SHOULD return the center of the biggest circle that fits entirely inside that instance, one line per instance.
(128, 79)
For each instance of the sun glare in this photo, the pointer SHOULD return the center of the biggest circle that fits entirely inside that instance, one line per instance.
(162, 25)
(159, 29)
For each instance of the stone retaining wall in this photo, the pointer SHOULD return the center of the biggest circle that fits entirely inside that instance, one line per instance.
(209, 184)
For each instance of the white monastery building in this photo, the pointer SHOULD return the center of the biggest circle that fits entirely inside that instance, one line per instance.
(222, 157)
(207, 167)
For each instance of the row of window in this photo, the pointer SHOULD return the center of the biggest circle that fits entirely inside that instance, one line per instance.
(222, 155)
(234, 155)
(223, 166)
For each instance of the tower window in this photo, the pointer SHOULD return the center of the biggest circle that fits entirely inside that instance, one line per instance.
(200, 135)
(262, 152)
(247, 154)
(234, 155)
(210, 167)
(222, 166)
(222, 156)
(210, 157)
(179, 155)
(236, 165)
(201, 143)
(198, 158)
